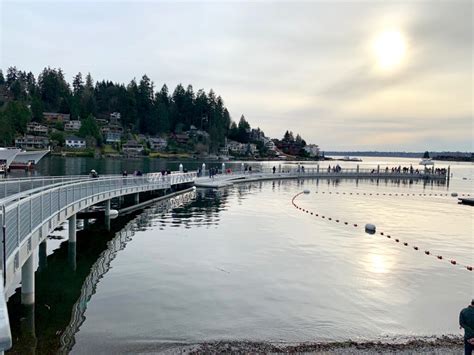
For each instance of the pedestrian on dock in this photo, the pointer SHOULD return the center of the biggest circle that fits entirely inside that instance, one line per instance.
(124, 173)
(274, 169)
(466, 321)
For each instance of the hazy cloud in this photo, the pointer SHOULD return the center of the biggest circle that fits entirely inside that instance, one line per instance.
(305, 66)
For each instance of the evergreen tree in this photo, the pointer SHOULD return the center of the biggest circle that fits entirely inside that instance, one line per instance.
(89, 128)
(37, 109)
(78, 85)
(243, 129)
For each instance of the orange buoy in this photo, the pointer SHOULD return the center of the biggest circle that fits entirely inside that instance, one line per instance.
(453, 262)
(469, 268)
(427, 252)
(416, 248)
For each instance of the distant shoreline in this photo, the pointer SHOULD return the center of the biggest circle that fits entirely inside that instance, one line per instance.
(442, 156)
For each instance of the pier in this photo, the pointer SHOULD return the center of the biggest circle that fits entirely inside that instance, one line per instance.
(228, 178)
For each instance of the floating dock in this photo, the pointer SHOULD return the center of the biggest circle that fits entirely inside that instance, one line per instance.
(228, 179)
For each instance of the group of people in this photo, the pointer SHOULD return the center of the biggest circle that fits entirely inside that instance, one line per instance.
(135, 173)
(411, 170)
(400, 169)
(334, 169)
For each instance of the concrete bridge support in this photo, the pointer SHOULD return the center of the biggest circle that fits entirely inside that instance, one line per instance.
(28, 282)
(72, 242)
(72, 229)
(107, 208)
(71, 256)
(42, 255)
(136, 198)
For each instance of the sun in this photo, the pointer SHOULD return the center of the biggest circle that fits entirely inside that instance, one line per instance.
(389, 48)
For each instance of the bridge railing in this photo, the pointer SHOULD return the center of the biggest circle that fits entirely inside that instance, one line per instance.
(363, 172)
(9, 187)
(21, 215)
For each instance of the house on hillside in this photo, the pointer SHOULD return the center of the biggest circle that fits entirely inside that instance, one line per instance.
(158, 143)
(75, 142)
(114, 118)
(36, 129)
(32, 142)
(132, 148)
(181, 138)
(112, 133)
(54, 117)
(73, 125)
(234, 147)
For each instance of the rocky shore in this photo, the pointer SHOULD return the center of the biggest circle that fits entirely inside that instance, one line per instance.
(435, 345)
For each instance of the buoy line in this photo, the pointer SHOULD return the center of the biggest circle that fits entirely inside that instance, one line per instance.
(392, 194)
(388, 236)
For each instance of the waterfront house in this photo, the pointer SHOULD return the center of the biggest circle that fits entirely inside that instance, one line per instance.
(181, 138)
(233, 146)
(158, 143)
(251, 148)
(75, 142)
(112, 137)
(54, 117)
(35, 128)
(112, 133)
(270, 145)
(240, 148)
(32, 142)
(73, 125)
(132, 148)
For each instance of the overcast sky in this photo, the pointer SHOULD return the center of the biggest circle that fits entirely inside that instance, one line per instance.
(310, 67)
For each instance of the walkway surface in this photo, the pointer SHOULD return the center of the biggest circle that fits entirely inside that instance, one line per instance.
(228, 179)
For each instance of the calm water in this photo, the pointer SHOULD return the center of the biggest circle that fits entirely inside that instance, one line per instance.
(243, 264)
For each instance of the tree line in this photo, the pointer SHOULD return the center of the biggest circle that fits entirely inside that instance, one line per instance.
(24, 98)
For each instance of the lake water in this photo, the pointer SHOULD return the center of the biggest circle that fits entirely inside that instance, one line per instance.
(243, 264)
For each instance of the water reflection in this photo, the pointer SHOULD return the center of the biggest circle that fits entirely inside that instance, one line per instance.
(67, 279)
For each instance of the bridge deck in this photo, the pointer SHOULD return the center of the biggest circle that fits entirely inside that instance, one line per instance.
(223, 180)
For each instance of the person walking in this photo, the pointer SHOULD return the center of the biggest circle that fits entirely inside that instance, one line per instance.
(466, 321)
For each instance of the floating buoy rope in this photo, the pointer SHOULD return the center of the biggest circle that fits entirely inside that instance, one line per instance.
(372, 228)
(407, 194)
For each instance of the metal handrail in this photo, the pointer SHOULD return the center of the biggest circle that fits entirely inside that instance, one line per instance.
(22, 216)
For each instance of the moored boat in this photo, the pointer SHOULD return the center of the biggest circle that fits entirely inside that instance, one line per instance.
(27, 159)
(426, 161)
(6, 158)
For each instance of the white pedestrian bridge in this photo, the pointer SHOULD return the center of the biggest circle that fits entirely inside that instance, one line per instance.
(31, 208)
